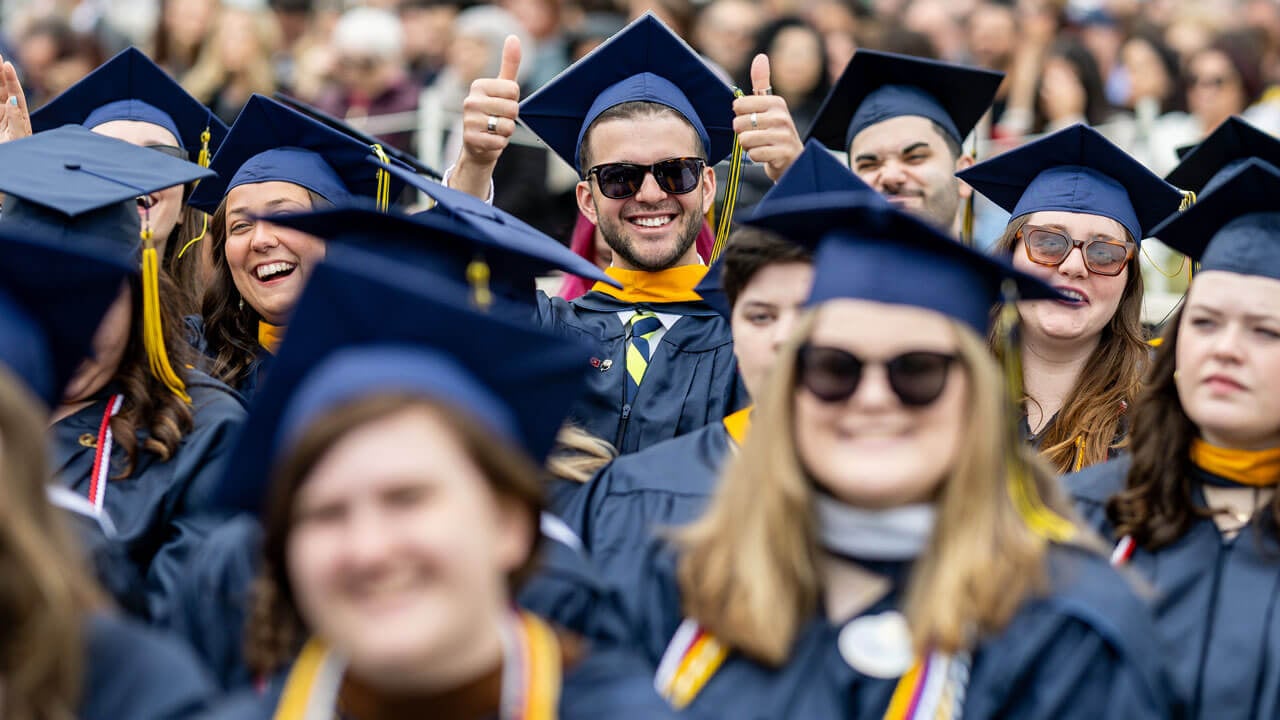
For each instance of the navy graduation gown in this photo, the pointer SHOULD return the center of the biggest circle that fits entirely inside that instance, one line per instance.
(692, 377)
(1214, 601)
(158, 510)
(1082, 651)
(606, 683)
(212, 603)
(663, 485)
(132, 671)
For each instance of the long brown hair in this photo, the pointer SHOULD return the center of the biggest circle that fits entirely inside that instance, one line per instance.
(185, 267)
(1156, 507)
(276, 629)
(1093, 413)
(45, 592)
(230, 323)
(749, 567)
(148, 403)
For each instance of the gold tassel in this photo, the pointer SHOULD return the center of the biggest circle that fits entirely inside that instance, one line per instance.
(1042, 520)
(203, 160)
(152, 331)
(1188, 199)
(383, 198)
(730, 194)
(478, 277)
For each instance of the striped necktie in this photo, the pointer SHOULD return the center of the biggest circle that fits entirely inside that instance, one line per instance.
(641, 328)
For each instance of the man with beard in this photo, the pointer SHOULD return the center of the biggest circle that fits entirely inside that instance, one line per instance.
(643, 120)
(902, 120)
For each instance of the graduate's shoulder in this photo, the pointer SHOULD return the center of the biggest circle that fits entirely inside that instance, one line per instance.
(1085, 588)
(134, 671)
(212, 399)
(1096, 484)
(677, 466)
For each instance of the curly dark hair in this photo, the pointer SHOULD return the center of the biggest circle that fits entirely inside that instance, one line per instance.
(148, 403)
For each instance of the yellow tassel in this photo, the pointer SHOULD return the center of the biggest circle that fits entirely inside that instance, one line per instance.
(1041, 519)
(1081, 446)
(730, 194)
(204, 230)
(152, 331)
(383, 198)
(1188, 199)
(478, 277)
(204, 158)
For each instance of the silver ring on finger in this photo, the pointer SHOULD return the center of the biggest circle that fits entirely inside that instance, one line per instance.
(763, 91)
(755, 118)
(492, 125)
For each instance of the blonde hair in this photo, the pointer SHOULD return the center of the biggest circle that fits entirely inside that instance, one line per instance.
(749, 568)
(578, 455)
(45, 593)
(209, 74)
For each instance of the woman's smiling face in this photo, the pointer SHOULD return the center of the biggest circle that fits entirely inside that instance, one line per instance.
(269, 264)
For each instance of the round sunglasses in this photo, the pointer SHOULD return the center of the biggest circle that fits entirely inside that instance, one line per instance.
(833, 375)
(621, 180)
(1046, 246)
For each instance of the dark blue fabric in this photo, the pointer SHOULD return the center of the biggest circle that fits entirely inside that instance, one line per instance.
(1214, 602)
(692, 378)
(1231, 143)
(159, 509)
(132, 671)
(1083, 651)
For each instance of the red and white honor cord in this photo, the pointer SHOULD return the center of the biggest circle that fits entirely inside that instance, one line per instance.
(102, 457)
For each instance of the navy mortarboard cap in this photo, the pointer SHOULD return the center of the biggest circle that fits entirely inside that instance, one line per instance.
(872, 251)
(516, 380)
(1076, 170)
(324, 118)
(815, 170)
(645, 62)
(272, 142)
(131, 87)
(52, 298)
(877, 86)
(1227, 147)
(1236, 227)
(70, 181)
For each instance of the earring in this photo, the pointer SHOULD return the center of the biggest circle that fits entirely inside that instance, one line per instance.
(241, 303)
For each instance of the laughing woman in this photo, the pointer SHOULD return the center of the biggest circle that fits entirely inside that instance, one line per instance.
(1195, 509)
(403, 514)
(1080, 206)
(138, 432)
(864, 555)
(274, 161)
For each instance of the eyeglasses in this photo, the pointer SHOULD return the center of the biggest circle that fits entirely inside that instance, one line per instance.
(1050, 247)
(676, 176)
(833, 375)
(170, 150)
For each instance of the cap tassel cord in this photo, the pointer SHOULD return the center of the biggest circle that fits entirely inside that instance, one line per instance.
(203, 160)
(966, 225)
(383, 198)
(1039, 517)
(730, 194)
(152, 331)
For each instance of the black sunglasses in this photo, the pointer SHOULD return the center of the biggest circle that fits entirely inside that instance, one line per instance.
(832, 375)
(676, 176)
(170, 150)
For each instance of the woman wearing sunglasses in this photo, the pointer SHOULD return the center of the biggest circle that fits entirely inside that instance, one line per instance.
(1194, 510)
(867, 554)
(1079, 207)
(130, 98)
(275, 161)
(400, 466)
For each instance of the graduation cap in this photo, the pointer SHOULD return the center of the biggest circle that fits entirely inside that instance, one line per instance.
(869, 250)
(1076, 170)
(516, 380)
(78, 189)
(1234, 228)
(1228, 147)
(130, 86)
(408, 159)
(815, 170)
(52, 299)
(272, 142)
(876, 86)
(644, 62)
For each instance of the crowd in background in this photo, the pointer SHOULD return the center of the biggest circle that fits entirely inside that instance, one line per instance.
(1152, 75)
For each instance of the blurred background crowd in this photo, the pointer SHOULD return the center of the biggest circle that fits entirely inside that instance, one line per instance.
(1152, 75)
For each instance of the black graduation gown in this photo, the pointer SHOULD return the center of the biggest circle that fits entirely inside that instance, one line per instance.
(1214, 600)
(609, 684)
(159, 510)
(212, 602)
(1082, 651)
(132, 671)
(664, 485)
(692, 377)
